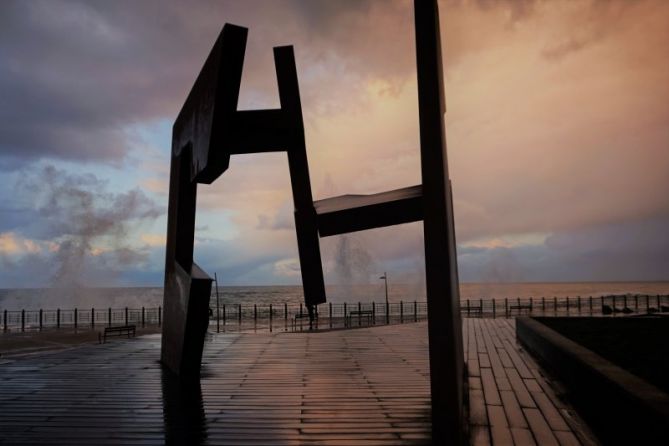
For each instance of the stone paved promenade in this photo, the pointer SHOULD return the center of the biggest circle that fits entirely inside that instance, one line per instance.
(365, 386)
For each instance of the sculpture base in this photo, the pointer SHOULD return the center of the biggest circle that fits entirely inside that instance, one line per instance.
(186, 318)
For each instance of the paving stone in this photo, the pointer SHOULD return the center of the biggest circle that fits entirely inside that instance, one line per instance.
(478, 414)
(524, 397)
(501, 436)
(541, 430)
(480, 436)
(512, 409)
(490, 388)
(567, 439)
(496, 416)
(522, 436)
(549, 412)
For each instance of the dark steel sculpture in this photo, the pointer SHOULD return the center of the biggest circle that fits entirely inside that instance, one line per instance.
(209, 129)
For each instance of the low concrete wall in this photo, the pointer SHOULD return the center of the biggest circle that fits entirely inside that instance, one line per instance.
(620, 407)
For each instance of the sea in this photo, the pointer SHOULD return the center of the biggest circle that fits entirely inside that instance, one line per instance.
(137, 297)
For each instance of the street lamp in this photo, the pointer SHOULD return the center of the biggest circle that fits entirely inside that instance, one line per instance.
(385, 279)
(218, 306)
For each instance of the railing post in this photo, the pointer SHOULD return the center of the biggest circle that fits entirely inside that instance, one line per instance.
(590, 298)
(468, 309)
(76, 317)
(625, 301)
(330, 313)
(223, 314)
(494, 310)
(636, 302)
(255, 312)
(374, 313)
(300, 309)
(270, 317)
(359, 314)
(387, 313)
(579, 304)
(143, 317)
(126, 316)
(481, 306)
(92, 317)
(239, 313)
(555, 305)
(531, 304)
(40, 320)
(415, 311)
(23, 320)
(567, 305)
(285, 312)
(58, 318)
(218, 316)
(4, 320)
(658, 302)
(601, 299)
(109, 321)
(160, 315)
(647, 304)
(543, 304)
(401, 312)
(506, 306)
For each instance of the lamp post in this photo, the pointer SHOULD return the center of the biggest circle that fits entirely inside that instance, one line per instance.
(218, 313)
(385, 279)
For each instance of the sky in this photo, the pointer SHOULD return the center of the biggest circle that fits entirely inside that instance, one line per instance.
(557, 127)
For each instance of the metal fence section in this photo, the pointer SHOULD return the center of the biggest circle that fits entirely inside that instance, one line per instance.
(235, 317)
(566, 306)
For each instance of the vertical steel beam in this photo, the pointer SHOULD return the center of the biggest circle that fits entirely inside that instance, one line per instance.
(441, 272)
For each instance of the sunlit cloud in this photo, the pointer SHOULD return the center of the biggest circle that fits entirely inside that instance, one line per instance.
(154, 239)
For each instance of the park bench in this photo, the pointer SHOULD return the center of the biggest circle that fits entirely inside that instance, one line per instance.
(475, 310)
(520, 307)
(300, 316)
(369, 314)
(116, 331)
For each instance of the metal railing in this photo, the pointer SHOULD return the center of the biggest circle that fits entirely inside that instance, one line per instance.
(565, 306)
(79, 318)
(235, 317)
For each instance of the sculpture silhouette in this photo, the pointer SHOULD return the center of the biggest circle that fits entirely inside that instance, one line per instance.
(209, 129)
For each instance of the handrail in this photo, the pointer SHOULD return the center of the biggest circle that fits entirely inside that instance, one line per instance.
(332, 314)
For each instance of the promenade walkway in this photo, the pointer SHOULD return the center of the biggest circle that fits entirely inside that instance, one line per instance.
(366, 386)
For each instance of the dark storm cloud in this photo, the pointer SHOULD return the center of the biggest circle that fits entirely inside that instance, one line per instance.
(76, 74)
(609, 252)
(14, 217)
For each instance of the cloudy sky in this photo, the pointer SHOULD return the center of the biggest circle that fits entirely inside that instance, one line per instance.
(557, 127)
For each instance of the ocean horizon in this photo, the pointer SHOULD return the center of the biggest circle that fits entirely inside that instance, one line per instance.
(137, 297)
